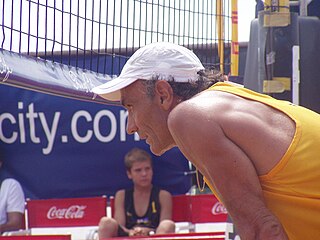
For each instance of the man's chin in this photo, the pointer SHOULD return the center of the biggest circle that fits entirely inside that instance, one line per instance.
(159, 151)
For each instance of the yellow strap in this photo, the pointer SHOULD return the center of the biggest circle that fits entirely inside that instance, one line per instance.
(277, 85)
(201, 189)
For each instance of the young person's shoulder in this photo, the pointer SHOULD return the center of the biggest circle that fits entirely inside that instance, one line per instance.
(120, 193)
(164, 193)
(10, 182)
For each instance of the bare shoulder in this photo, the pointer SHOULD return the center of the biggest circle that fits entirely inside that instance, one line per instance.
(218, 117)
(165, 198)
(227, 110)
(119, 201)
(164, 194)
(197, 121)
(120, 194)
(204, 108)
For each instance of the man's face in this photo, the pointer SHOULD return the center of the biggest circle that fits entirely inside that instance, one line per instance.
(141, 173)
(147, 118)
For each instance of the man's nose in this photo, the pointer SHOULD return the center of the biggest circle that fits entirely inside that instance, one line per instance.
(131, 126)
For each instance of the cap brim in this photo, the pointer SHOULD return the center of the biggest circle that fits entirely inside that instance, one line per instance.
(111, 89)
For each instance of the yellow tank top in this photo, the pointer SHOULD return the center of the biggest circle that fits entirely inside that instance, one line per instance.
(292, 188)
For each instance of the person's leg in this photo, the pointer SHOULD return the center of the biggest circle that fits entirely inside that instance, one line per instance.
(166, 226)
(108, 227)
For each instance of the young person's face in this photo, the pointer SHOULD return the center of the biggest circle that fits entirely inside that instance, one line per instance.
(146, 117)
(141, 173)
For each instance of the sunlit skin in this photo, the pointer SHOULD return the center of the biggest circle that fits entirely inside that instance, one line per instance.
(147, 117)
(220, 119)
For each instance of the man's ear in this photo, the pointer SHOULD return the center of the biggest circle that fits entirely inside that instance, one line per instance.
(164, 94)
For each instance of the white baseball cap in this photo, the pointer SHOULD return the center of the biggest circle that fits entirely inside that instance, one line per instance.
(165, 59)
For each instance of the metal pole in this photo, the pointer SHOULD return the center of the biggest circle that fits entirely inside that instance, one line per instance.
(304, 7)
(234, 39)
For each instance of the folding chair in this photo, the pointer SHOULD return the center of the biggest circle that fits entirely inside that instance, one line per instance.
(181, 213)
(209, 215)
(37, 237)
(78, 216)
(178, 236)
(207, 208)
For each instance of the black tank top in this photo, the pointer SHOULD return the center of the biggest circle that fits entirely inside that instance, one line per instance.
(152, 216)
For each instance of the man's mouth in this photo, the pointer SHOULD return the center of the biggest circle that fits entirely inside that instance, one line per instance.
(142, 137)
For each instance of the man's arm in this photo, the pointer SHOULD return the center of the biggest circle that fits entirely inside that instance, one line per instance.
(14, 222)
(198, 133)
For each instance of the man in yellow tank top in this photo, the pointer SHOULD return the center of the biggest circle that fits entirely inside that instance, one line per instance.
(259, 155)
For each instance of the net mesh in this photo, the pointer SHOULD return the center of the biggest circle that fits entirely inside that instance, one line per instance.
(101, 35)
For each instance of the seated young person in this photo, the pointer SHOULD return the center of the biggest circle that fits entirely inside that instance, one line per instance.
(12, 204)
(142, 210)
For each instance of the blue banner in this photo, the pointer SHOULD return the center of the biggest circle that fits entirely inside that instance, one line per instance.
(58, 147)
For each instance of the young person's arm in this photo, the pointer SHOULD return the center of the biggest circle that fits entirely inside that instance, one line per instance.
(14, 222)
(14, 206)
(119, 210)
(165, 199)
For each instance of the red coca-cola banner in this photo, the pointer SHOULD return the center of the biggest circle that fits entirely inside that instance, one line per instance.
(66, 212)
(198, 209)
(181, 206)
(207, 208)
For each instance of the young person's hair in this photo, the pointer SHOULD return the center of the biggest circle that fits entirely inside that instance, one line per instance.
(136, 155)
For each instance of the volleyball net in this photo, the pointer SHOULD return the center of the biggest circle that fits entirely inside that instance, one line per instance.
(100, 35)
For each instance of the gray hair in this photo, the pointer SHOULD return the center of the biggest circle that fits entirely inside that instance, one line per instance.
(186, 90)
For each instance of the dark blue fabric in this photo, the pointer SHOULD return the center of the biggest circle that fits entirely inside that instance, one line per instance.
(151, 218)
(51, 146)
